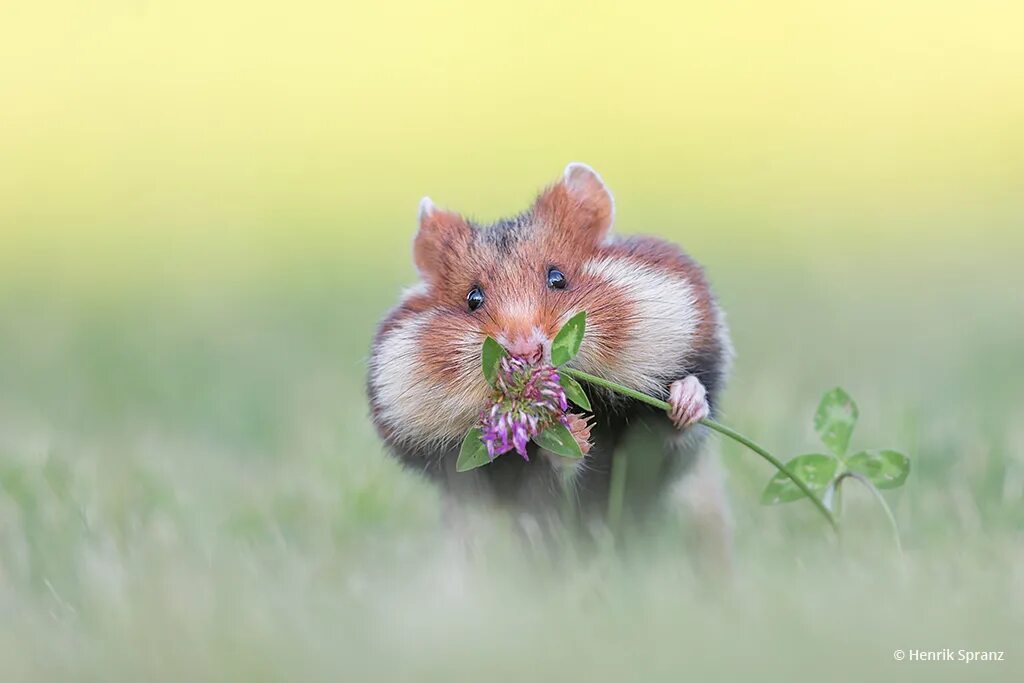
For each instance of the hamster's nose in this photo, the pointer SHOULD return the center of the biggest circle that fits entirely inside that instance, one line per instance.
(530, 350)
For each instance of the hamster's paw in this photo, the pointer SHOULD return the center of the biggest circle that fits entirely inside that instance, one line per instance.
(579, 427)
(688, 401)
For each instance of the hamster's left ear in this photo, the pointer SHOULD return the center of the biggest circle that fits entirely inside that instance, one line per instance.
(579, 206)
(442, 236)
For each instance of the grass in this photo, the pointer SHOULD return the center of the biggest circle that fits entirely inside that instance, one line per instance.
(190, 489)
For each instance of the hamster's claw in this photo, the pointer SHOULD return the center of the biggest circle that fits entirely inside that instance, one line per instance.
(688, 401)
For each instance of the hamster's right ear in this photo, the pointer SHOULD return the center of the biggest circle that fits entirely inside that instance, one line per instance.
(442, 235)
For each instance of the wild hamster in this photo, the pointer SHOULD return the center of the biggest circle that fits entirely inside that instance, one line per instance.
(652, 325)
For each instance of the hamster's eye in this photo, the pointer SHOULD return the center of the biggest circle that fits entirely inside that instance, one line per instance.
(475, 298)
(556, 280)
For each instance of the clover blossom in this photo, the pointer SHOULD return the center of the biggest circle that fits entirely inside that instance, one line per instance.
(527, 400)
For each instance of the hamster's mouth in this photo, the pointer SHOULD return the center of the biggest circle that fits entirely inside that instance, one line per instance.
(533, 349)
(528, 398)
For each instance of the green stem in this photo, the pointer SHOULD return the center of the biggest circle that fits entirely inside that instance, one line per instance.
(617, 492)
(837, 503)
(881, 501)
(720, 428)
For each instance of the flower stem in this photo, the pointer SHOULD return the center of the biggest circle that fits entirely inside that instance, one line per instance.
(881, 501)
(617, 492)
(720, 428)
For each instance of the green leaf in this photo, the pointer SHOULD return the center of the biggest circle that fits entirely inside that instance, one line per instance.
(834, 420)
(567, 342)
(573, 391)
(559, 440)
(885, 469)
(492, 354)
(815, 469)
(473, 453)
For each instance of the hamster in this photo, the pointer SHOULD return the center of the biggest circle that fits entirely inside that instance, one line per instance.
(652, 325)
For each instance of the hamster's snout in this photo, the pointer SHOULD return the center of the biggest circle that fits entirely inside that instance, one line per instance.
(530, 349)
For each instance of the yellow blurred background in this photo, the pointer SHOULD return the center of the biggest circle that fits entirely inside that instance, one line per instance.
(211, 139)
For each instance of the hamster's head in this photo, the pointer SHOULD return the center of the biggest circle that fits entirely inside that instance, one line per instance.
(518, 280)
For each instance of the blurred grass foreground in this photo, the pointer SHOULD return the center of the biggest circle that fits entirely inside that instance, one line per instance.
(205, 208)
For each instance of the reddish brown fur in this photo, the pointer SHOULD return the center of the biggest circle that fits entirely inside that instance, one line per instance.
(432, 361)
(442, 237)
(566, 228)
(576, 222)
(422, 406)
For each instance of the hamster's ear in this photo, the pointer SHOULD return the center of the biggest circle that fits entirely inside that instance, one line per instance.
(579, 206)
(442, 236)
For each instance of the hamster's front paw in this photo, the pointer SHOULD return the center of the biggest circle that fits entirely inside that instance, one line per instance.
(688, 400)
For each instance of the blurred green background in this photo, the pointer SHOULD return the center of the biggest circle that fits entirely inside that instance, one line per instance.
(206, 207)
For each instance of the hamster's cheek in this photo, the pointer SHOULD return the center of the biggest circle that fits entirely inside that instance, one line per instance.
(420, 379)
(645, 317)
(610, 324)
(449, 389)
(393, 370)
(448, 347)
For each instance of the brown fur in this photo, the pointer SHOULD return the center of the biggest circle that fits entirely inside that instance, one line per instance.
(566, 228)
